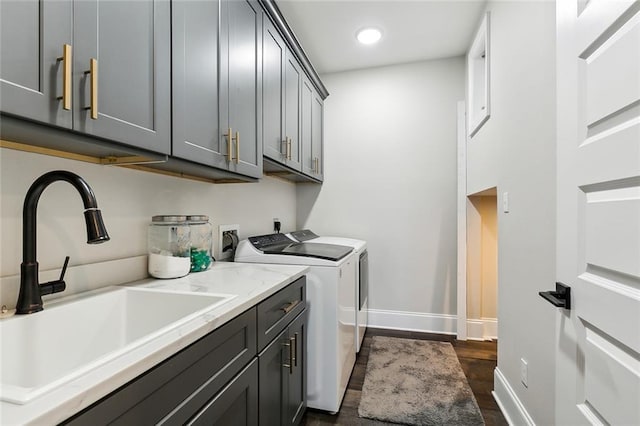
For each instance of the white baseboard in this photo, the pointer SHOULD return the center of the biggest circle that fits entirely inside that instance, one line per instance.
(413, 321)
(514, 412)
(482, 329)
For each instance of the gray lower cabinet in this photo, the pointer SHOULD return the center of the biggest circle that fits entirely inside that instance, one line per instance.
(283, 376)
(217, 84)
(98, 67)
(282, 362)
(189, 384)
(236, 404)
(220, 379)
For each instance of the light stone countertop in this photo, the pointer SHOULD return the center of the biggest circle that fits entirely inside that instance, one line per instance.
(251, 283)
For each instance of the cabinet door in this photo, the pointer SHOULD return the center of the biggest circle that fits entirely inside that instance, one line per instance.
(241, 83)
(317, 136)
(236, 404)
(131, 43)
(32, 36)
(297, 377)
(293, 76)
(306, 125)
(273, 61)
(196, 130)
(273, 381)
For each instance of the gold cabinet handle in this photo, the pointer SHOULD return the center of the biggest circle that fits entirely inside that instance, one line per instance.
(291, 356)
(229, 136)
(93, 70)
(295, 349)
(288, 308)
(66, 76)
(237, 138)
(288, 148)
(285, 141)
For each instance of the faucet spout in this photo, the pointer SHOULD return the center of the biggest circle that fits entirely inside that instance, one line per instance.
(30, 297)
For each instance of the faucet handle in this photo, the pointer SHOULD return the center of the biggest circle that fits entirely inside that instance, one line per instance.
(64, 268)
(57, 285)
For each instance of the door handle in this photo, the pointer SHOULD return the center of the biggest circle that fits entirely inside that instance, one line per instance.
(560, 298)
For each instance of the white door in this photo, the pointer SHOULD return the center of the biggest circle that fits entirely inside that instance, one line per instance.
(598, 228)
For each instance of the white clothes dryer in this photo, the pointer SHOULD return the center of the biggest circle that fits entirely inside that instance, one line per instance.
(362, 274)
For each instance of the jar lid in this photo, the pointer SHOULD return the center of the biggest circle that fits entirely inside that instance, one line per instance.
(168, 218)
(197, 218)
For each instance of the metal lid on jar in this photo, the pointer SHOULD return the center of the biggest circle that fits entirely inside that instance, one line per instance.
(197, 218)
(169, 219)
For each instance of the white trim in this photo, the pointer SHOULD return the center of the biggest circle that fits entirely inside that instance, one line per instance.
(513, 410)
(412, 321)
(482, 329)
(462, 224)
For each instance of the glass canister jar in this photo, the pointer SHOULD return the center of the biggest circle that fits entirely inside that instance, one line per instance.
(169, 244)
(201, 240)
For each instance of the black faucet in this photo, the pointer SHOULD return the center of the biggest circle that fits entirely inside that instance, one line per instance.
(31, 291)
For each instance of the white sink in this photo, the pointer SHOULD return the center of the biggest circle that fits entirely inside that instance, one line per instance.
(45, 350)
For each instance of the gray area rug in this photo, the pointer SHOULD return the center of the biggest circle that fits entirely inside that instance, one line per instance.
(416, 382)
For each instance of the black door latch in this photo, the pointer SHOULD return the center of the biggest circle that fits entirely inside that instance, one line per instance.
(560, 298)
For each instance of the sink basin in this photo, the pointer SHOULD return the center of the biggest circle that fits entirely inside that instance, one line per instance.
(45, 350)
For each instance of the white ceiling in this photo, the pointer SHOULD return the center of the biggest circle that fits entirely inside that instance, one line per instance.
(411, 30)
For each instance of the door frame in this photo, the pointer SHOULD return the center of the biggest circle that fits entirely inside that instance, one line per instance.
(461, 329)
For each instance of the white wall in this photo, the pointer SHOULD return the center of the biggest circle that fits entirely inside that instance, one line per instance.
(128, 199)
(390, 179)
(515, 152)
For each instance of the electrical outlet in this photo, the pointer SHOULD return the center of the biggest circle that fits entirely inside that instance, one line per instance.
(227, 241)
(524, 372)
(276, 224)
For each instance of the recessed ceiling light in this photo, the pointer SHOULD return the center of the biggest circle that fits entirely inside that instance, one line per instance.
(369, 35)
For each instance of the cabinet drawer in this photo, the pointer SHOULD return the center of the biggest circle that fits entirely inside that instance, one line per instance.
(276, 312)
(175, 389)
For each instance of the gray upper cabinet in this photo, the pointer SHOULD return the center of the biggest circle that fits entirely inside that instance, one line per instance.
(196, 129)
(241, 84)
(317, 136)
(274, 53)
(113, 75)
(281, 100)
(217, 118)
(32, 37)
(292, 85)
(311, 121)
(306, 127)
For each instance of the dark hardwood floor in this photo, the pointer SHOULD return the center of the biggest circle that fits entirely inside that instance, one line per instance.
(478, 360)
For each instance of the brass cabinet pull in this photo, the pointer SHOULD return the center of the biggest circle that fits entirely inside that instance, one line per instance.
(285, 142)
(316, 165)
(288, 148)
(291, 356)
(288, 308)
(237, 138)
(66, 76)
(295, 349)
(229, 137)
(93, 70)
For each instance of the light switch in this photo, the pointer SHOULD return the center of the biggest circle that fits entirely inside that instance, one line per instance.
(505, 202)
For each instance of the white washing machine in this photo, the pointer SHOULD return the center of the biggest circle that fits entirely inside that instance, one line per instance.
(331, 349)
(362, 275)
